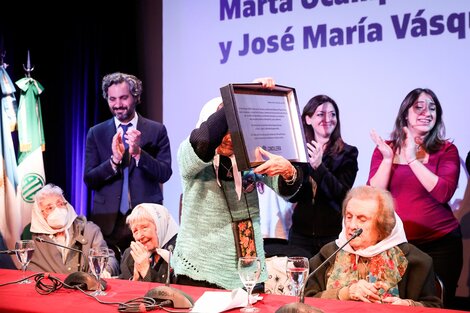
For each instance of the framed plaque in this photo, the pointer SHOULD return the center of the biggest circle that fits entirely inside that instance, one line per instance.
(267, 118)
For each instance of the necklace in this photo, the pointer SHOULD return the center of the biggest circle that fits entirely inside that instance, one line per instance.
(228, 174)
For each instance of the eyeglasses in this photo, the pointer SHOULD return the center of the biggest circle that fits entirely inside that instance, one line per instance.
(420, 106)
(50, 207)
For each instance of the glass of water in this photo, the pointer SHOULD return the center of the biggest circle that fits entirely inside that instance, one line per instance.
(98, 259)
(249, 269)
(297, 272)
(24, 250)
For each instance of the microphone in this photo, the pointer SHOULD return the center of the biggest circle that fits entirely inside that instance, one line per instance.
(166, 296)
(80, 278)
(300, 306)
(170, 297)
(170, 249)
(161, 297)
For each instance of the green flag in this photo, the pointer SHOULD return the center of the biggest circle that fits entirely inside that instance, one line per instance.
(30, 129)
(31, 139)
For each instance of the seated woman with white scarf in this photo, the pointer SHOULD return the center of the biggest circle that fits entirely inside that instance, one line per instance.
(154, 231)
(379, 266)
(54, 220)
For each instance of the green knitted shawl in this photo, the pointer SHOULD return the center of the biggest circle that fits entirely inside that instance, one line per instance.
(205, 248)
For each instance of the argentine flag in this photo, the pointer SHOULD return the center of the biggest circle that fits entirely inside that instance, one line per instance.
(10, 217)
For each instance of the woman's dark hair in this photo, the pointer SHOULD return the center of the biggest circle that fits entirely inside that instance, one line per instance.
(435, 139)
(336, 143)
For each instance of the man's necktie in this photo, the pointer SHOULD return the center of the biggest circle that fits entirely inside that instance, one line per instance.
(125, 203)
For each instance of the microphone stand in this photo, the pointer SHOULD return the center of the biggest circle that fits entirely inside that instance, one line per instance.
(74, 276)
(9, 252)
(301, 307)
(39, 239)
(170, 249)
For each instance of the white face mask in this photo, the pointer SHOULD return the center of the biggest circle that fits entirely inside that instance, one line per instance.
(57, 218)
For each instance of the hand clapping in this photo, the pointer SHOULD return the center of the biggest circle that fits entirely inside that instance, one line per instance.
(315, 154)
(141, 259)
(133, 140)
(383, 147)
(409, 146)
(117, 146)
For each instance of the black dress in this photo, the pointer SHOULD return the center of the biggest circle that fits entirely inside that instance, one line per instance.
(317, 219)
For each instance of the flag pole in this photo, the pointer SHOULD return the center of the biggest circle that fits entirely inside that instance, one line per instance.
(28, 69)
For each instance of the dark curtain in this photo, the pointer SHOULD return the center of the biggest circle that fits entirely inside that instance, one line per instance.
(100, 37)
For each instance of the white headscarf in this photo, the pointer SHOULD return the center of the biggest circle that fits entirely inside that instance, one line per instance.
(396, 237)
(164, 222)
(207, 110)
(39, 224)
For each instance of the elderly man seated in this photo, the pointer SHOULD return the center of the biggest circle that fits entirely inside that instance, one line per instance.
(379, 266)
(54, 220)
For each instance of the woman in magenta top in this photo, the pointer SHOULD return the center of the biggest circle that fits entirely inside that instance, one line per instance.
(421, 170)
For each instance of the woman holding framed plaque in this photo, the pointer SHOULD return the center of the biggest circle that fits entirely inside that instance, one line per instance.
(220, 218)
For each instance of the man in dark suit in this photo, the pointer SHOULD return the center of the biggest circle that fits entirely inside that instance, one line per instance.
(127, 159)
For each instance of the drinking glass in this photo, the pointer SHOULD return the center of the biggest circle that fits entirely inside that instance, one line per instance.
(24, 250)
(297, 271)
(98, 259)
(249, 269)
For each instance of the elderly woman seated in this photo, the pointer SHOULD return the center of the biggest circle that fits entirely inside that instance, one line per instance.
(379, 266)
(54, 220)
(154, 231)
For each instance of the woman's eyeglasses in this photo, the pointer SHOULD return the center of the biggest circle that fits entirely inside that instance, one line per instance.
(50, 207)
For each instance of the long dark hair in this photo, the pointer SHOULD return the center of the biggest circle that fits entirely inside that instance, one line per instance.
(335, 144)
(434, 140)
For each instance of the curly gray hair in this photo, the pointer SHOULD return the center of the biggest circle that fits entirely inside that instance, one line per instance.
(135, 84)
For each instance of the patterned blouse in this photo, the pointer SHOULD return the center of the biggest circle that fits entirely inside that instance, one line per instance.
(388, 266)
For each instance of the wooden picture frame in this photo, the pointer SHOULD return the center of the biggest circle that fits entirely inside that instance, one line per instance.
(267, 118)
